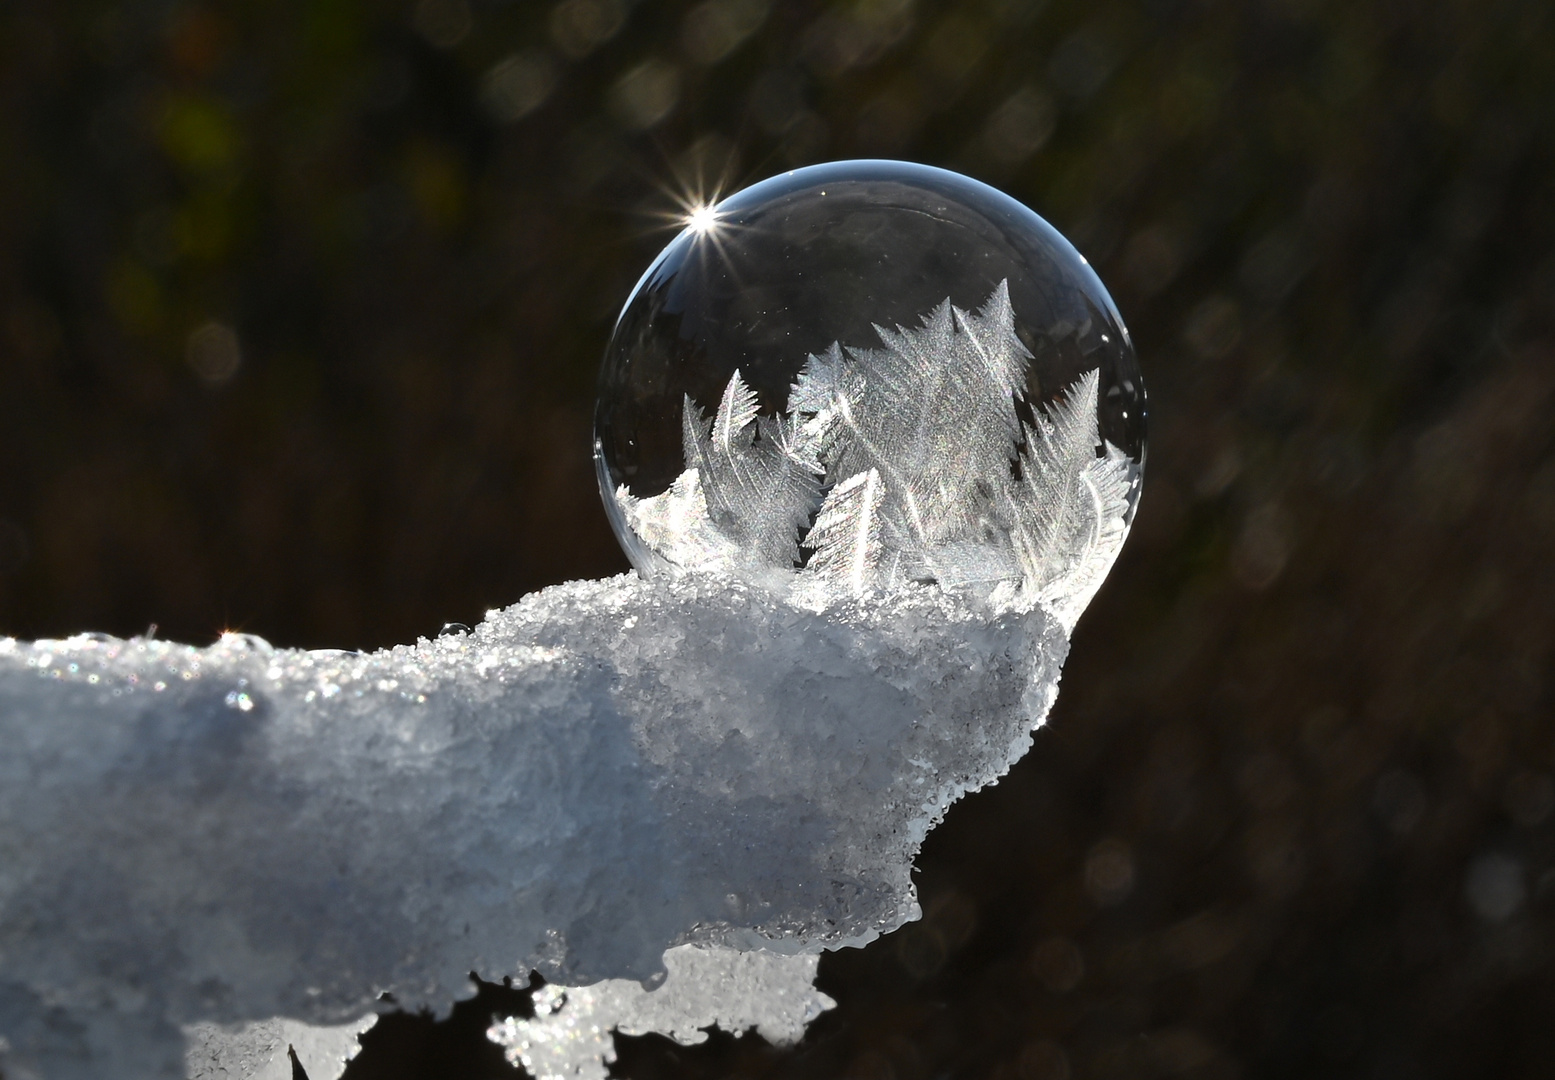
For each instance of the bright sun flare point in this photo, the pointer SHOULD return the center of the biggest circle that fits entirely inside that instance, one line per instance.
(701, 219)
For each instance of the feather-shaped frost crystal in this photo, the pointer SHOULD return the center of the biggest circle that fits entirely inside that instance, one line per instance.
(868, 377)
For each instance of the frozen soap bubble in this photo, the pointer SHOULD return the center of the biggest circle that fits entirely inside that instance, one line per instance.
(862, 375)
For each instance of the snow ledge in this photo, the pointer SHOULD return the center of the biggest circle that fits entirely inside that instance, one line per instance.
(600, 773)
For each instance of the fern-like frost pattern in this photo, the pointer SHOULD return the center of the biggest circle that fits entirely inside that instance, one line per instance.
(903, 463)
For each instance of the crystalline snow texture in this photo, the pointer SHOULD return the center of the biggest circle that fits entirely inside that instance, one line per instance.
(569, 1036)
(598, 773)
(259, 1051)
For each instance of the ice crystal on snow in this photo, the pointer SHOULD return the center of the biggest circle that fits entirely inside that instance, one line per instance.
(846, 536)
(758, 493)
(905, 463)
(1067, 509)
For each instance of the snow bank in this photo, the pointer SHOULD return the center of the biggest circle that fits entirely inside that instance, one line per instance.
(606, 770)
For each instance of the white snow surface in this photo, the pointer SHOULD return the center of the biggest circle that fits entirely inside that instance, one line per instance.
(604, 771)
(569, 1037)
(262, 1050)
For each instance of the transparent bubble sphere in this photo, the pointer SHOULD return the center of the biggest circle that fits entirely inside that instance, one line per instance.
(867, 376)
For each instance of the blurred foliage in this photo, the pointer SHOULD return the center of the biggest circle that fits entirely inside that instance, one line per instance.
(300, 307)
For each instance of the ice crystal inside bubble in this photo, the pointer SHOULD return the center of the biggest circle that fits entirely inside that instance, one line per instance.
(861, 375)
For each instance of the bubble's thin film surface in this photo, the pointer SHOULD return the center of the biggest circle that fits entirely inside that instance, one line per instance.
(823, 254)
(832, 261)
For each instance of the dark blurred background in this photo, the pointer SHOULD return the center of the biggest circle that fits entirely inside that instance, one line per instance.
(300, 307)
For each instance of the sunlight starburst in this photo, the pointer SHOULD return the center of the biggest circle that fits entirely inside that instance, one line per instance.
(702, 219)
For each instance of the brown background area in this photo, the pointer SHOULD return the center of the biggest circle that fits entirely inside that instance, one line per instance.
(300, 307)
